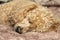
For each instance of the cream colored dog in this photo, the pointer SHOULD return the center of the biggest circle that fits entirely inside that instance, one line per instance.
(26, 16)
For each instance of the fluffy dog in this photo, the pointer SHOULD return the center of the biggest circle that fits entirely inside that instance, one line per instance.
(26, 16)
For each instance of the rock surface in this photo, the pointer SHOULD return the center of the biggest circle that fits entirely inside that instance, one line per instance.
(48, 2)
(7, 34)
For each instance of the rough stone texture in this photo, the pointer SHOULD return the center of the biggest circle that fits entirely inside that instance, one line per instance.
(4, 0)
(48, 2)
(42, 36)
(7, 34)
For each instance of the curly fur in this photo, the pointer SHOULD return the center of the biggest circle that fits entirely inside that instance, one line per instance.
(27, 15)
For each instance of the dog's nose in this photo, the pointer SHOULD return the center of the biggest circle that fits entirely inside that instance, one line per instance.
(18, 29)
